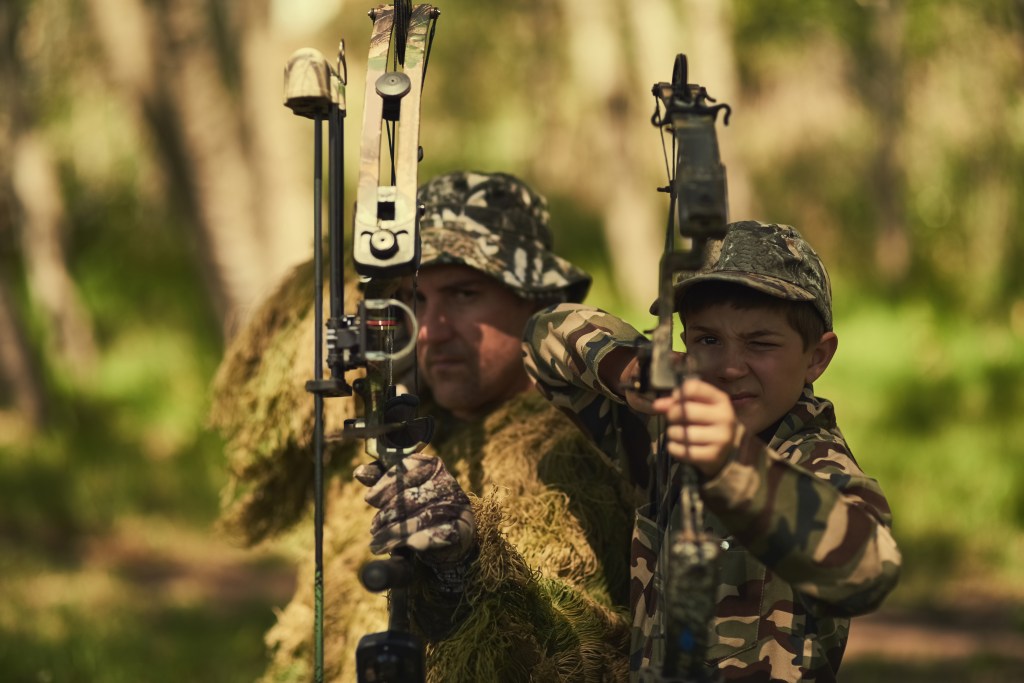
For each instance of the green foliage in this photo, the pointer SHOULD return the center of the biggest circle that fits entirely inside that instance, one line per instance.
(926, 140)
(140, 640)
(137, 267)
(929, 401)
(581, 240)
(125, 435)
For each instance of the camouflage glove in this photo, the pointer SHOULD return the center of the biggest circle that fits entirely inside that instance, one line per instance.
(421, 507)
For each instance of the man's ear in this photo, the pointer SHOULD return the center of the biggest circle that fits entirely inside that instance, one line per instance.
(821, 356)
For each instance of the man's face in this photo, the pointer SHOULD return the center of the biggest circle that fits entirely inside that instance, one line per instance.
(468, 347)
(756, 357)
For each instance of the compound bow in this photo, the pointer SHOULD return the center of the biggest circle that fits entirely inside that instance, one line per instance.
(385, 249)
(698, 210)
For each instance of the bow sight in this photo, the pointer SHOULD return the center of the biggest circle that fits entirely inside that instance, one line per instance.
(386, 248)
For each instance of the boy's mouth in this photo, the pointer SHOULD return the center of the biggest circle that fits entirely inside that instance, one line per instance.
(741, 398)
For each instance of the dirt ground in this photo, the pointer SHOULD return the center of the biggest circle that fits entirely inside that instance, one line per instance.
(936, 644)
(971, 631)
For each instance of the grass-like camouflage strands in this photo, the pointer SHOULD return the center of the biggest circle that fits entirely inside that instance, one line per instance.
(546, 594)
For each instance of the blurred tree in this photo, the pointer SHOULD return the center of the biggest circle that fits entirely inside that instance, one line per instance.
(19, 373)
(198, 76)
(560, 92)
(896, 141)
(38, 194)
(883, 84)
(32, 221)
(888, 130)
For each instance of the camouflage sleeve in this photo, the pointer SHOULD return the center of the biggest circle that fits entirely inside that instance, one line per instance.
(564, 346)
(814, 518)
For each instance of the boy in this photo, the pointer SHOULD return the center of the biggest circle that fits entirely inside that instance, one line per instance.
(805, 533)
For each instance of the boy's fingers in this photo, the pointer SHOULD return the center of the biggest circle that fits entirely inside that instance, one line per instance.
(692, 453)
(695, 412)
(691, 390)
(699, 390)
(697, 434)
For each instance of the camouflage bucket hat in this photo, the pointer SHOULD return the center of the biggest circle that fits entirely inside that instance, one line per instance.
(494, 223)
(770, 258)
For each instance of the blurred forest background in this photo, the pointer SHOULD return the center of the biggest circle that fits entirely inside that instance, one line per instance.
(153, 189)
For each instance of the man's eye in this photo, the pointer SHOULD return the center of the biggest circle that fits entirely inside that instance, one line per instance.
(465, 294)
(409, 296)
(707, 340)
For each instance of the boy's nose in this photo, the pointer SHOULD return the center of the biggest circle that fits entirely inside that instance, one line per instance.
(732, 364)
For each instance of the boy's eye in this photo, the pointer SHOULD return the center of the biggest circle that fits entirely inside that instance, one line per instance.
(707, 339)
(465, 294)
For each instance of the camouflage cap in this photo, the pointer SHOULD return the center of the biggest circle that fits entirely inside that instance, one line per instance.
(770, 258)
(494, 223)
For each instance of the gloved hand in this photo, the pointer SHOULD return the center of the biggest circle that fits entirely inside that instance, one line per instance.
(420, 507)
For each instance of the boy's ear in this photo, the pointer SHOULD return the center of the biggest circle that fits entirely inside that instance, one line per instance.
(821, 356)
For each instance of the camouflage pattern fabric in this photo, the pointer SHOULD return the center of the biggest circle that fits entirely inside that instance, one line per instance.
(806, 533)
(494, 223)
(771, 258)
(545, 595)
(420, 507)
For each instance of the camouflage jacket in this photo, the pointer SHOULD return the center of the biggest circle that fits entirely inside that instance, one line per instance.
(806, 533)
(545, 598)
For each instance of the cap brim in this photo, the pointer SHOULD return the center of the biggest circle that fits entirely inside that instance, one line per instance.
(766, 284)
(529, 271)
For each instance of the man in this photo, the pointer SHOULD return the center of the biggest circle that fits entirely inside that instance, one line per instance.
(519, 528)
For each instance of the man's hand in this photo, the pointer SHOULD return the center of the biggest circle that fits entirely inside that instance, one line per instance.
(420, 507)
(701, 424)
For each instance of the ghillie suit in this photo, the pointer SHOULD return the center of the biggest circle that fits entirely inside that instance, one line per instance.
(545, 597)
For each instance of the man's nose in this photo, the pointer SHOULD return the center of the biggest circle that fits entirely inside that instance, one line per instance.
(434, 325)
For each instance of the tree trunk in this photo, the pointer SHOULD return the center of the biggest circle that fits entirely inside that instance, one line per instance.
(713, 64)
(18, 369)
(38, 193)
(885, 89)
(615, 143)
(616, 52)
(199, 79)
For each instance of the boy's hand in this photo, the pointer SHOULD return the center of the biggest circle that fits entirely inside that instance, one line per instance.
(701, 424)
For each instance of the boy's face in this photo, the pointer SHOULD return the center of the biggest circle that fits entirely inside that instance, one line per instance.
(468, 347)
(756, 357)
